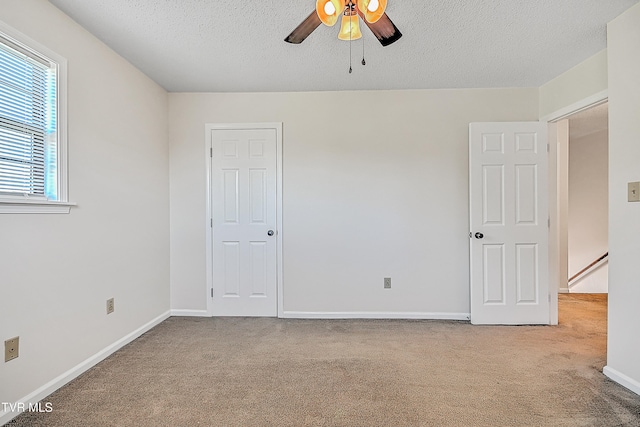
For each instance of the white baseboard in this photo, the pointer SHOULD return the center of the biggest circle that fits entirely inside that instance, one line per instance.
(345, 315)
(56, 383)
(563, 290)
(190, 313)
(374, 315)
(622, 379)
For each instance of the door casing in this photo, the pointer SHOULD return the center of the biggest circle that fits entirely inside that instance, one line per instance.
(558, 260)
(209, 128)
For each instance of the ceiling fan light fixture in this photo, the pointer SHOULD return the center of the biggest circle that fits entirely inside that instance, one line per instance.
(329, 11)
(372, 13)
(350, 24)
(372, 9)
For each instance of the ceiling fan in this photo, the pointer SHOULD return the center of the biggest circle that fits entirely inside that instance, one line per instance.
(327, 12)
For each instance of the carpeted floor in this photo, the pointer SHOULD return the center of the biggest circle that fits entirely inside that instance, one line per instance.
(276, 372)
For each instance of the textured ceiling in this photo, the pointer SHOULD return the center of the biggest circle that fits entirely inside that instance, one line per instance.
(237, 46)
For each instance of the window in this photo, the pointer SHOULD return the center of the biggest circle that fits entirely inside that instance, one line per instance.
(32, 137)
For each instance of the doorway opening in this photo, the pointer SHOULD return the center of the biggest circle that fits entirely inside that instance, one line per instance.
(559, 136)
(579, 226)
(587, 194)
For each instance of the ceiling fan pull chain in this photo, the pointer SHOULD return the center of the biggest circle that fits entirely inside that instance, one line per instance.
(363, 61)
(350, 69)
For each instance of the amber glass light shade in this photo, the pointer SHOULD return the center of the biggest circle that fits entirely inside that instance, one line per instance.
(329, 11)
(372, 9)
(354, 26)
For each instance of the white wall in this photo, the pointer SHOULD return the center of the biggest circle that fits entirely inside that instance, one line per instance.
(588, 209)
(57, 271)
(623, 363)
(375, 185)
(573, 86)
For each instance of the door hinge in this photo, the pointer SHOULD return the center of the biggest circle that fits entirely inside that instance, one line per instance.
(211, 223)
(548, 222)
(548, 149)
(211, 152)
(549, 295)
(211, 292)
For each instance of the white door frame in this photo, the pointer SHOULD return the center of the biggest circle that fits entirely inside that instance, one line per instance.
(506, 227)
(558, 259)
(209, 128)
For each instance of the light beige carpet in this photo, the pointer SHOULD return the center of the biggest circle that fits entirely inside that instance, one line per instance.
(275, 372)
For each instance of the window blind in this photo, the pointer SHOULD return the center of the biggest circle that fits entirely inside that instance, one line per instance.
(27, 121)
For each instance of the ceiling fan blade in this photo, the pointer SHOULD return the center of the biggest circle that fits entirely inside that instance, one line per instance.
(383, 29)
(303, 30)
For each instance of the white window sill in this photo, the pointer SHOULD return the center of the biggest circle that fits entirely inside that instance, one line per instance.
(34, 206)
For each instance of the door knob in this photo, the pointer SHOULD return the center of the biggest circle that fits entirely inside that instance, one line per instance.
(270, 233)
(479, 235)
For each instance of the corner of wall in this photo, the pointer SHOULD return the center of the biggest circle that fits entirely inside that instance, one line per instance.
(624, 230)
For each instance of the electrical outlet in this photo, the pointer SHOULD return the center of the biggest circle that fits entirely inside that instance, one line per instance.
(110, 306)
(11, 349)
(387, 282)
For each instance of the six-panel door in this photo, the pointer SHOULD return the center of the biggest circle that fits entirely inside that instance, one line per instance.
(508, 223)
(243, 176)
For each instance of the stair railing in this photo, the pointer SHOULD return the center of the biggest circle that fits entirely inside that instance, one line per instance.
(587, 268)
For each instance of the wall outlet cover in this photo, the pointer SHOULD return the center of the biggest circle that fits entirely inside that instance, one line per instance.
(387, 282)
(11, 349)
(110, 306)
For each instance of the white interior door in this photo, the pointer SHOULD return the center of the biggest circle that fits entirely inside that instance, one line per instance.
(243, 185)
(509, 223)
